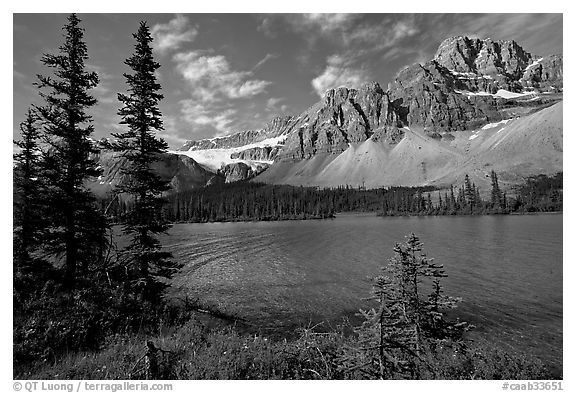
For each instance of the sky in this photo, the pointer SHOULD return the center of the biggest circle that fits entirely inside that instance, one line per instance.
(223, 73)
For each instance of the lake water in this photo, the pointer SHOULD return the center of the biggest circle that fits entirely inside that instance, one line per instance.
(280, 275)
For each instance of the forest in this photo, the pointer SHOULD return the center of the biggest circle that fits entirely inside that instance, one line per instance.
(251, 201)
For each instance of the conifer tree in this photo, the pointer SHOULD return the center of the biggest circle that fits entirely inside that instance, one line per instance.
(142, 148)
(28, 190)
(469, 192)
(394, 335)
(77, 228)
(496, 194)
(452, 198)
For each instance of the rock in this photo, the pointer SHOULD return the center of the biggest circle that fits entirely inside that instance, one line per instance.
(547, 74)
(267, 153)
(239, 171)
(344, 116)
(503, 61)
(276, 127)
(426, 95)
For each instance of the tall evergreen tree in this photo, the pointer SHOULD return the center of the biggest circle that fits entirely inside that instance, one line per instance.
(141, 148)
(496, 193)
(78, 229)
(469, 192)
(27, 207)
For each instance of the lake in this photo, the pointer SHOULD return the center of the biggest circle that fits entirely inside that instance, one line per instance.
(281, 275)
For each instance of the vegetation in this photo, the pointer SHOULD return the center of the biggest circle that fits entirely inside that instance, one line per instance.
(246, 201)
(73, 290)
(407, 323)
(28, 221)
(76, 226)
(148, 263)
(539, 194)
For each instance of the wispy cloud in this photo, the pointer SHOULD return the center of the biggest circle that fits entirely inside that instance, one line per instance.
(170, 36)
(378, 36)
(215, 89)
(268, 57)
(171, 132)
(309, 25)
(212, 78)
(198, 113)
(104, 92)
(521, 27)
(339, 72)
(276, 106)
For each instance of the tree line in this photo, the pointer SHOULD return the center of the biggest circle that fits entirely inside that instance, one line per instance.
(246, 201)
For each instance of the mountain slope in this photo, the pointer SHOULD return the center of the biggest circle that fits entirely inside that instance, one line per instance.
(183, 172)
(516, 148)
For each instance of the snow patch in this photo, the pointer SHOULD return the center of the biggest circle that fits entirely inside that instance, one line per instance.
(500, 93)
(508, 94)
(473, 93)
(534, 63)
(469, 75)
(492, 125)
(216, 158)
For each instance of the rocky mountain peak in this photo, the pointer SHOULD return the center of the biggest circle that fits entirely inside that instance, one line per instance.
(344, 116)
(486, 57)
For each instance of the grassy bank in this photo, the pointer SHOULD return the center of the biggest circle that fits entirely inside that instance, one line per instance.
(195, 351)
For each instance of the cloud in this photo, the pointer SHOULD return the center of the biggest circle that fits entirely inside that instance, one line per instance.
(273, 102)
(311, 27)
(387, 33)
(211, 77)
(103, 92)
(339, 72)
(268, 57)
(344, 30)
(171, 132)
(216, 89)
(325, 23)
(276, 105)
(534, 32)
(171, 35)
(201, 114)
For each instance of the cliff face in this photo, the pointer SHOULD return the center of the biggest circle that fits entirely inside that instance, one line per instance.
(545, 73)
(266, 153)
(428, 95)
(239, 171)
(344, 116)
(500, 64)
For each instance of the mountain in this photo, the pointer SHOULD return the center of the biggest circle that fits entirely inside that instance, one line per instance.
(183, 173)
(514, 148)
(432, 123)
(253, 147)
